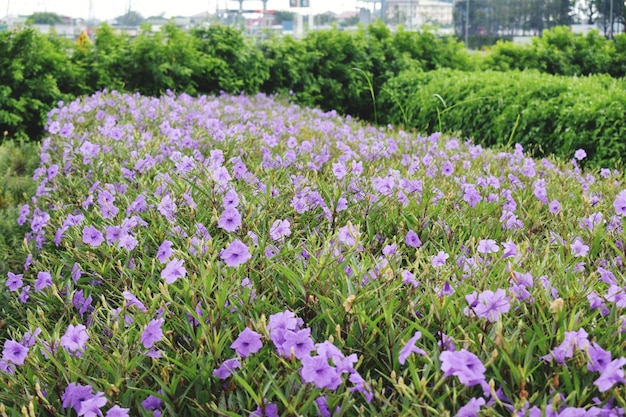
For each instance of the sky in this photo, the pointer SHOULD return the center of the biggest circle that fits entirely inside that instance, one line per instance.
(108, 9)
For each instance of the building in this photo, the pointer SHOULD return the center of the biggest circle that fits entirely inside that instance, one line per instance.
(416, 13)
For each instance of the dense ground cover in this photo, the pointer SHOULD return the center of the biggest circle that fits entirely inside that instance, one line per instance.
(241, 255)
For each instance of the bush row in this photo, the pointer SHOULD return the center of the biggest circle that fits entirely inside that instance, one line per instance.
(546, 114)
(559, 51)
(343, 71)
(330, 69)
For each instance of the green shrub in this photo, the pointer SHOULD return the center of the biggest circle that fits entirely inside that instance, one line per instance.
(36, 73)
(548, 114)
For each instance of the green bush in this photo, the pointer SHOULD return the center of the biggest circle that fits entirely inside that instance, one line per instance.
(545, 113)
(36, 73)
(558, 51)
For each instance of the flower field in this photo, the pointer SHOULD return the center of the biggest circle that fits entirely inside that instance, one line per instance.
(239, 255)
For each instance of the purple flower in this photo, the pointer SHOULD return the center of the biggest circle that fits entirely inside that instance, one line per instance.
(75, 338)
(348, 234)
(75, 394)
(14, 281)
(412, 239)
(235, 254)
(488, 246)
(92, 236)
(247, 342)
(598, 358)
(14, 352)
(152, 402)
(554, 207)
(134, 301)
(579, 249)
(439, 259)
(409, 279)
(509, 249)
(612, 374)
(90, 407)
(489, 305)
(300, 342)
(279, 229)
(231, 199)
(227, 368)
(464, 365)
(44, 279)
(164, 251)
(117, 411)
(571, 341)
(230, 219)
(173, 270)
(580, 154)
(620, 203)
(265, 410)
(152, 333)
(316, 369)
(471, 409)
(411, 348)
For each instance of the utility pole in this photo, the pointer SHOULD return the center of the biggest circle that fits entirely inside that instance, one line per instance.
(611, 19)
(467, 14)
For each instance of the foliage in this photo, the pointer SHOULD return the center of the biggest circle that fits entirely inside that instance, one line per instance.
(421, 275)
(33, 69)
(559, 51)
(44, 18)
(546, 114)
(231, 62)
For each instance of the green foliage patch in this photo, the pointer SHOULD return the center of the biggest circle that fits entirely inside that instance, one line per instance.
(546, 114)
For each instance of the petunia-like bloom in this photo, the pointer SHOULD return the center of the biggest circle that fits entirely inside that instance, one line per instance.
(173, 270)
(14, 352)
(117, 411)
(490, 305)
(230, 219)
(298, 342)
(247, 343)
(464, 365)
(75, 394)
(554, 207)
(152, 333)
(488, 246)
(235, 254)
(92, 236)
(439, 259)
(44, 279)
(412, 239)
(580, 154)
(316, 369)
(227, 368)
(268, 410)
(91, 406)
(164, 251)
(572, 341)
(599, 358)
(620, 203)
(471, 409)
(579, 249)
(152, 402)
(612, 374)
(75, 338)
(279, 229)
(14, 281)
(411, 348)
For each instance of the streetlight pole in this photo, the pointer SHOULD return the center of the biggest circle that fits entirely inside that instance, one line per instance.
(467, 14)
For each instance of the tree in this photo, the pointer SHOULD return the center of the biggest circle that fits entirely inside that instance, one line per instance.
(284, 16)
(45, 18)
(131, 18)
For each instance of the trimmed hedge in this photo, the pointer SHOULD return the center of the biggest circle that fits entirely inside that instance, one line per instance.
(546, 114)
